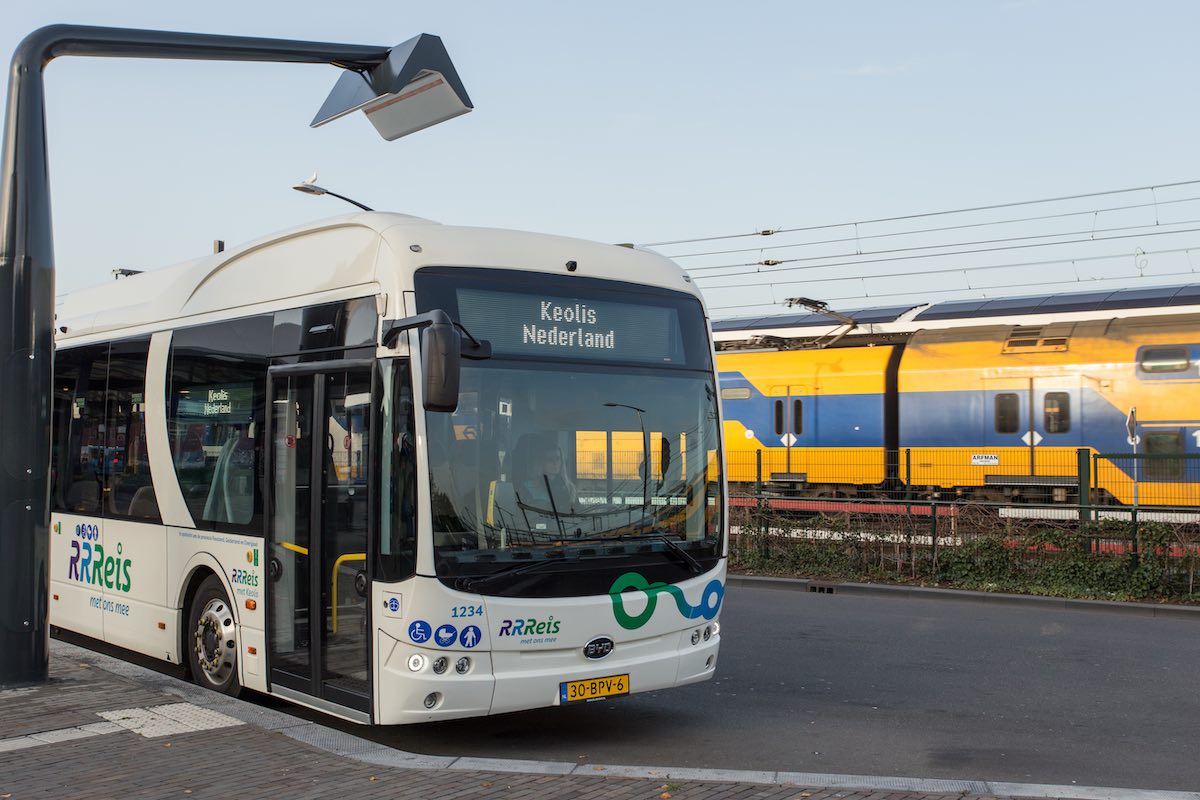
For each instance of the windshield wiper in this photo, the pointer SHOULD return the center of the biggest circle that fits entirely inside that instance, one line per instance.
(674, 548)
(550, 493)
(468, 584)
(687, 557)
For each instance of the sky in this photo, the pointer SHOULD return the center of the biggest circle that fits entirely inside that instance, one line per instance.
(667, 121)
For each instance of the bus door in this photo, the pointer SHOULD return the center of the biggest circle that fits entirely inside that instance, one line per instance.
(787, 424)
(319, 622)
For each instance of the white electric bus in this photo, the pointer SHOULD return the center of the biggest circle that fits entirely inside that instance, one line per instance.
(394, 470)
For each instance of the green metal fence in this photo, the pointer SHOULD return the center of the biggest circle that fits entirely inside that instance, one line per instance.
(1122, 526)
(1126, 554)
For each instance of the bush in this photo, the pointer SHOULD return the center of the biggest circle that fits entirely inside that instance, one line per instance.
(1109, 560)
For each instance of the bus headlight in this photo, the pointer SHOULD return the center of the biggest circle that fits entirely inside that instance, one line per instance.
(462, 665)
(696, 636)
(707, 632)
(432, 699)
(416, 662)
(439, 664)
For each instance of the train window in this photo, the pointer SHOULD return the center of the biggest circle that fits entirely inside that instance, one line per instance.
(736, 393)
(1159, 444)
(797, 417)
(778, 416)
(1057, 412)
(1164, 359)
(1008, 413)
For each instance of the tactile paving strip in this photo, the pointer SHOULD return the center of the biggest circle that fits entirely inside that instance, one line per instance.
(169, 719)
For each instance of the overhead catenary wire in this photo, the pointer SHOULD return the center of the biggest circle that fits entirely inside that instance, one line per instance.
(910, 257)
(984, 289)
(924, 215)
(774, 263)
(941, 229)
(966, 270)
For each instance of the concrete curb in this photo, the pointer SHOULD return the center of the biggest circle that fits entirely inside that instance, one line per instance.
(963, 595)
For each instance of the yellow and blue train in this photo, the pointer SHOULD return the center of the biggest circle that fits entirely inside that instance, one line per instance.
(994, 399)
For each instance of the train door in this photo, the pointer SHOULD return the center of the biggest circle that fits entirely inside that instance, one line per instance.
(1037, 415)
(319, 621)
(787, 423)
(1057, 403)
(1007, 427)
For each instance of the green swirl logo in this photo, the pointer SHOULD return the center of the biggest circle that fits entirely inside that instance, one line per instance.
(710, 600)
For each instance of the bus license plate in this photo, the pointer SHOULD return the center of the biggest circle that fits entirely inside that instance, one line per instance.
(593, 688)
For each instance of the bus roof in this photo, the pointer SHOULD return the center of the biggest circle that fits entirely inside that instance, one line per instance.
(354, 255)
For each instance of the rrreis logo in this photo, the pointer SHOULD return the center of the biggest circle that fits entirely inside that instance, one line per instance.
(528, 627)
(531, 631)
(89, 564)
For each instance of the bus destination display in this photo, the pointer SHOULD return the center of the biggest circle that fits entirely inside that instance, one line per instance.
(571, 327)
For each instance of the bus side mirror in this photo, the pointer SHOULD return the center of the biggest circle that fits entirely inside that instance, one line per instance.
(441, 354)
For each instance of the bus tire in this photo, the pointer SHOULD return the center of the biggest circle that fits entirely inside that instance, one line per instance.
(211, 639)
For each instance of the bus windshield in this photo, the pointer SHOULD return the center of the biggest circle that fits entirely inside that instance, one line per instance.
(598, 470)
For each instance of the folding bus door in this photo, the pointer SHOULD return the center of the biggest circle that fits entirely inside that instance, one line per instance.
(321, 467)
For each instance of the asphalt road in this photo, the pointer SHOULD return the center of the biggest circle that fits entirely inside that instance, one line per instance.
(893, 686)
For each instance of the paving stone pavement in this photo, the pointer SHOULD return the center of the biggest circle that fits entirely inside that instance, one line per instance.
(101, 728)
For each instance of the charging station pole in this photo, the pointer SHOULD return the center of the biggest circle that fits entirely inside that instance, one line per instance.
(373, 79)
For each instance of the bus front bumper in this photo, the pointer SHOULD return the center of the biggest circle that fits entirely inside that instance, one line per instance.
(515, 680)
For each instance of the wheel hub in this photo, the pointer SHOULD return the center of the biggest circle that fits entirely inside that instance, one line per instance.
(215, 646)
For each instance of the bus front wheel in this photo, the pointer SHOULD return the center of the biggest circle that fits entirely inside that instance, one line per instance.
(211, 639)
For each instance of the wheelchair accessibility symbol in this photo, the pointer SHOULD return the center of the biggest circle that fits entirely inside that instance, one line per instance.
(419, 631)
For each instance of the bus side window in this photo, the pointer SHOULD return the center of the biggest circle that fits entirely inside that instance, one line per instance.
(216, 409)
(396, 557)
(129, 492)
(80, 375)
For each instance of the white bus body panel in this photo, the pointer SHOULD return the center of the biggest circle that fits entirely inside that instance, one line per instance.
(357, 255)
(238, 561)
(76, 603)
(110, 584)
(512, 673)
(133, 608)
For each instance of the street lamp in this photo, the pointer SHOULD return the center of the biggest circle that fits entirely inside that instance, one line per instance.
(645, 450)
(309, 186)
